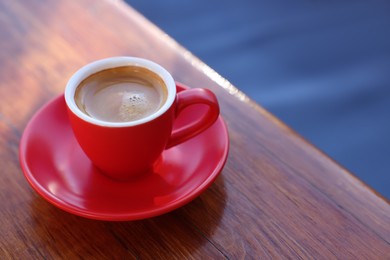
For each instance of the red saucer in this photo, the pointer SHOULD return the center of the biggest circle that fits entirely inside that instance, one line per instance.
(56, 167)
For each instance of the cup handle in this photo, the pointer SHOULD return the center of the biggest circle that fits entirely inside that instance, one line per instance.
(192, 97)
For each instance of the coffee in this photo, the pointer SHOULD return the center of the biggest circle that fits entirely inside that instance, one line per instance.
(121, 94)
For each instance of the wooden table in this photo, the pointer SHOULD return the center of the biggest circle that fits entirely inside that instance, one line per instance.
(277, 196)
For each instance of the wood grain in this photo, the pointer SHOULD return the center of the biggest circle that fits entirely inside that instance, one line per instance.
(277, 197)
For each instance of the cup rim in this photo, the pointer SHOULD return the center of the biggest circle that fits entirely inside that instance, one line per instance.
(114, 62)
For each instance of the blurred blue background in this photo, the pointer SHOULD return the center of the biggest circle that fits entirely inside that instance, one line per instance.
(322, 67)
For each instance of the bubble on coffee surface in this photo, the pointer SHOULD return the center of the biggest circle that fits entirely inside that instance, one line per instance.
(135, 106)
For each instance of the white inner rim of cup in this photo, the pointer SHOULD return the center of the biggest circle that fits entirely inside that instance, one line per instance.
(115, 62)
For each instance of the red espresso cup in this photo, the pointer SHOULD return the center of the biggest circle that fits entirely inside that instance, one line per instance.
(125, 149)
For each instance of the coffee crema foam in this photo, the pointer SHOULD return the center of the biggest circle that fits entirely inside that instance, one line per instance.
(121, 94)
